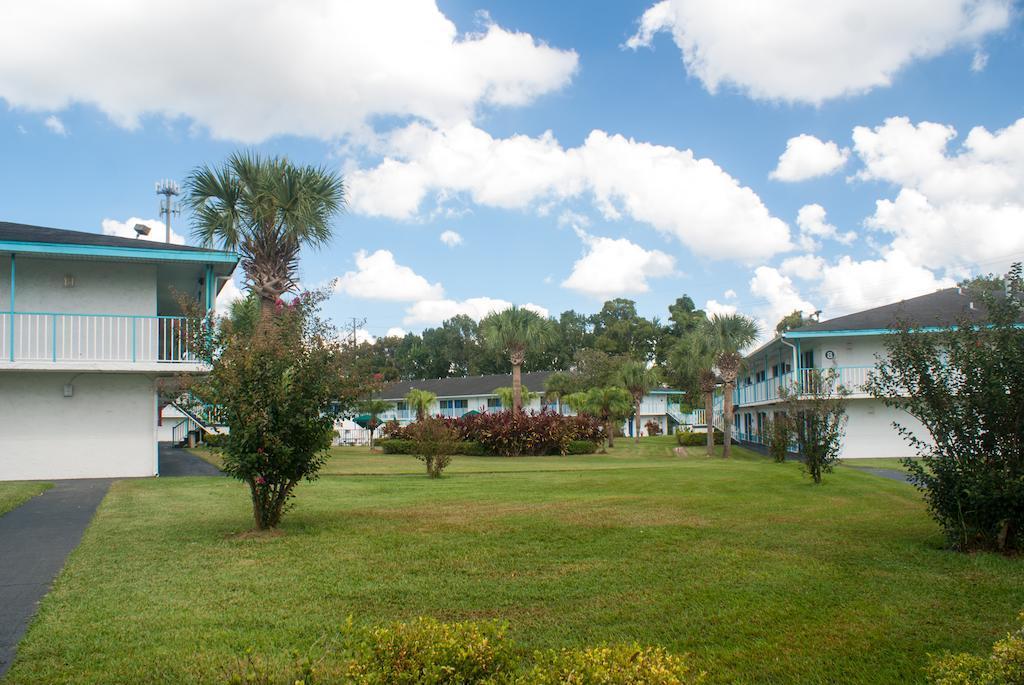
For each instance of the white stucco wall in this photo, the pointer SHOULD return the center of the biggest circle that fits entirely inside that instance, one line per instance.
(106, 429)
(99, 287)
(870, 433)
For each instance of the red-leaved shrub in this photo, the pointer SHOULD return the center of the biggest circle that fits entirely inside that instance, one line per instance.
(509, 434)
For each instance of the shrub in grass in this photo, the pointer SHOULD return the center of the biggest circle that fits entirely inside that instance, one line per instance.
(509, 433)
(1005, 666)
(695, 439)
(965, 384)
(612, 665)
(434, 442)
(581, 447)
(428, 652)
(653, 428)
(816, 405)
(214, 440)
(780, 434)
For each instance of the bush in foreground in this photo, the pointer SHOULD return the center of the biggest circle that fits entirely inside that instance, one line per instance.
(1005, 666)
(612, 665)
(428, 652)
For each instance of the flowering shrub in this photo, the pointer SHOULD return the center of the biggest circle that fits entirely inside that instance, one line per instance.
(511, 434)
(653, 428)
(612, 665)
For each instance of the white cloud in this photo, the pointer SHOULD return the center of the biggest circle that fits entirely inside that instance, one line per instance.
(451, 238)
(712, 307)
(395, 332)
(812, 51)
(126, 229)
(433, 312)
(670, 189)
(331, 66)
(779, 295)
(806, 267)
(55, 125)
(730, 294)
(814, 227)
(228, 294)
(979, 61)
(808, 157)
(959, 212)
(614, 267)
(850, 285)
(379, 277)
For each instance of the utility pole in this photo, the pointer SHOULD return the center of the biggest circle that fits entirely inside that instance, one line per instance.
(353, 327)
(169, 189)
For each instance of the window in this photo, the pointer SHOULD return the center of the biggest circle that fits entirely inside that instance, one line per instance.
(401, 406)
(760, 376)
(454, 404)
(807, 360)
(494, 403)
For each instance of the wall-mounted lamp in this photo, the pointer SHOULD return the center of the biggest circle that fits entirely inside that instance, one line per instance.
(69, 390)
(69, 281)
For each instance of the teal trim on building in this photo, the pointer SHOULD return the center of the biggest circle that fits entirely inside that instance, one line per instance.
(201, 256)
(13, 279)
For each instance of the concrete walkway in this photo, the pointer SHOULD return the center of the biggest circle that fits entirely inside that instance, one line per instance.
(35, 540)
(891, 474)
(177, 461)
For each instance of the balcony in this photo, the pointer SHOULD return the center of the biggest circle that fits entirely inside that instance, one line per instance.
(48, 340)
(853, 378)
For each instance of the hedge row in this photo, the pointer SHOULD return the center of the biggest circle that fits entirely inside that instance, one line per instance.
(474, 449)
(428, 652)
(509, 433)
(695, 439)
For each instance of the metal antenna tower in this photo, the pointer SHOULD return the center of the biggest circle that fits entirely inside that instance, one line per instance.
(169, 189)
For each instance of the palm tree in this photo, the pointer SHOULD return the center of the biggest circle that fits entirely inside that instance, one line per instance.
(267, 209)
(638, 379)
(420, 401)
(558, 385)
(374, 408)
(727, 334)
(507, 395)
(516, 332)
(692, 360)
(609, 405)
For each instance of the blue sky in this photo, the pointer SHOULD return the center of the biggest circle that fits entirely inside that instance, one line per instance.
(477, 118)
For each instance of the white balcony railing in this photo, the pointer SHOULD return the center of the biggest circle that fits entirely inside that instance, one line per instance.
(57, 337)
(853, 378)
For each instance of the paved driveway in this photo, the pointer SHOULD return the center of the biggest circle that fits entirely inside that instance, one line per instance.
(35, 540)
(177, 461)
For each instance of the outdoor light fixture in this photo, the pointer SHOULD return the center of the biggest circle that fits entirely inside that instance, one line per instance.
(141, 230)
(69, 390)
(69, 281)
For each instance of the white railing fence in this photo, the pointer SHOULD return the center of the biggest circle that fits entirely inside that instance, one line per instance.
(56, 337)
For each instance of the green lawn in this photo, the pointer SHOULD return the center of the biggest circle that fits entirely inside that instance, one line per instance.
(16, 493)
(895, 463)
(760, 575)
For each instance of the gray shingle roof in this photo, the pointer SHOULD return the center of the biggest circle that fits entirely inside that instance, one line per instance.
(940, 308)
(470, 386)
(58, 236)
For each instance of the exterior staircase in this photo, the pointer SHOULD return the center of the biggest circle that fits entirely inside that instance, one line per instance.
(199, 419)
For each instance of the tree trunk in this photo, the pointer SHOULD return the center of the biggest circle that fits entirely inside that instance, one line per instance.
(610, 429)
(727, 418)
(517, 388)
(709, 416)
(636, 423)
(371, 433)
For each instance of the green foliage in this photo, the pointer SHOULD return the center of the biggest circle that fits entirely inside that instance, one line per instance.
(620, 331)
(215, 440)
(628, 664)
(965, 384)
(581, 447)
(406, 446)
(506, 395)
(794, 319)
(1005, 666)
(515, 332)
(725, 336)
(780, 436)
(428, 652)
(816, 410)
(279, 391)
(695, 439)
(610, 405)
(420, 401)
(433, 442)
(653, 428)
(267, 209)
